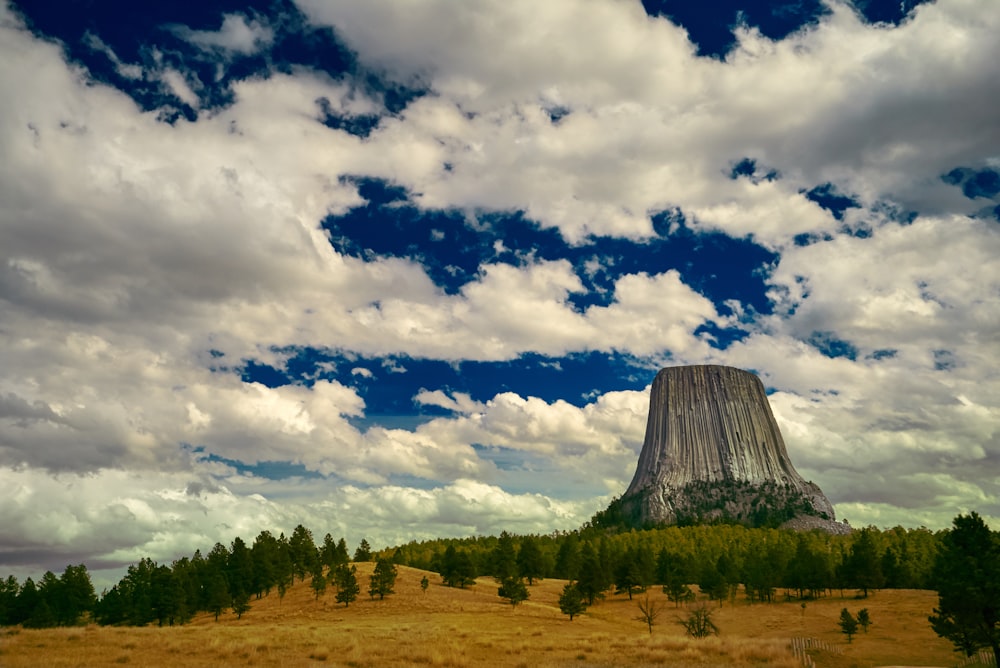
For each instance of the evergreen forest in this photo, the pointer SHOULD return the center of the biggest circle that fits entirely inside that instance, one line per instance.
(723, 560)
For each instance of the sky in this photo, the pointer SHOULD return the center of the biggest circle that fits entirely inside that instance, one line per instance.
(399, 271)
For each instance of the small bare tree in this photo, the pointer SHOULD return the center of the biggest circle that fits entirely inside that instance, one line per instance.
(699, 623)
(648, 611)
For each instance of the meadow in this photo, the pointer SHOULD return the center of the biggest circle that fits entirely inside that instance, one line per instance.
(445, 626)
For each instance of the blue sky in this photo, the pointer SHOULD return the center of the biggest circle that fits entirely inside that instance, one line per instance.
(399, 272)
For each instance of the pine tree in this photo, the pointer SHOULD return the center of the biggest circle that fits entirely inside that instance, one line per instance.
(27, 600)
(456, 568)
(186, 586)
(671, 572)
(340, 555)
(217, 596)
(513, 589)
(571, 601)
(864, 620)
(628, 574)
(364, 551)
(347, 584)
(166, 596)
(713, 584)
(568, 558)
(303, 553)
(263, 558)
(284, 569)
(591, 576)
(328, 553)
(51, 597)
(241, 604)
(9, 589)
(504, 558)
(864, 564)
(239, 568)
(77, 594)
(318, 583)
(530, 560)
(383, 579)
(967, 579)
(848, 624)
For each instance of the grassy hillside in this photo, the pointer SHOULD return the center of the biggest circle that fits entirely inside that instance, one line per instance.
(473, 627)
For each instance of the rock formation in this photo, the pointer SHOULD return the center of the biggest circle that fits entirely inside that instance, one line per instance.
(713, 452)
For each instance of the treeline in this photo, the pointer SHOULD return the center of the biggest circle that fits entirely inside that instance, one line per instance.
(53, 601)
(151, 593)
(717, 558)
(225, 578)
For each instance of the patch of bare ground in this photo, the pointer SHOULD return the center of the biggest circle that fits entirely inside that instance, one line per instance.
(473, 627)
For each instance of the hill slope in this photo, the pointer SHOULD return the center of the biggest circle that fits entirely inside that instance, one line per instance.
(473, 627)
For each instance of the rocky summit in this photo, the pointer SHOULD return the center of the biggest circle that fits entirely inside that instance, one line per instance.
(713, 453)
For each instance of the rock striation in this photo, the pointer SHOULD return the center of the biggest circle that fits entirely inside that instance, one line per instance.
(713, 452)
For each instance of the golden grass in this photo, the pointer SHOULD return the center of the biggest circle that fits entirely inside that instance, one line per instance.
(473, 627)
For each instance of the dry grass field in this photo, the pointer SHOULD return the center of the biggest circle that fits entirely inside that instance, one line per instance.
(473, 627)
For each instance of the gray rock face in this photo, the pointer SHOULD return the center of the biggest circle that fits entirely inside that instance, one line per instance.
(713, 451)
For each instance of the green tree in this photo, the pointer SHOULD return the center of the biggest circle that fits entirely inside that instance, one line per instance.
(333, 554)
(864, 619)
(303, 552)
(50, 593)
(166, 597)
(634, 571)
(186, 580)
(967, 579)
(77, 592)
(284, 569)
(217, 596)
(568, 558)
(677, 592)
(241, 603)
(672, 573)
(848, 624)
(571, 601)
(864, 563)
(318, 582)
(424, 584)
(27, 600)
(347, 584)
(727, 567)
(713, 584)
(530, 560)
(456, 568)
(263, 558)
(9, 589)
(364, 551)
(759, 576)
(809, 571)
(110, 608)
(513, 589)
(41, 616)
(283, 585)
(590, 582)
(340, 556)
(383, 579)
(503, 559)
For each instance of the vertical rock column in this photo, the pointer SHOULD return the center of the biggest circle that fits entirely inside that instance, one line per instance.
(710, 423)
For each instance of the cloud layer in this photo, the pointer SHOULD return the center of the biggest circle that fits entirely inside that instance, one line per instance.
(145, 257)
